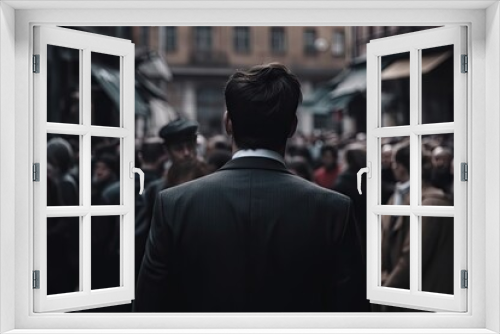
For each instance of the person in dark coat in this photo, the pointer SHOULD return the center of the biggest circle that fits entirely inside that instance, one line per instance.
(252, 236)
(437, 237)
(179, 140)
(355, 159)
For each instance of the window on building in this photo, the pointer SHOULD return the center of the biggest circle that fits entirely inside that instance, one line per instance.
(145, 35)
(338, 44)
(309, 39)
(278, 40)
(170, 39)
(241, 39)
(203, 39)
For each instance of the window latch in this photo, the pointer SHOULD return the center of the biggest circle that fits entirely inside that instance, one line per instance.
(368, 171)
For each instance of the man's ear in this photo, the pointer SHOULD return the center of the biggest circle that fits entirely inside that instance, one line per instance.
(228, 124)
(293, 127)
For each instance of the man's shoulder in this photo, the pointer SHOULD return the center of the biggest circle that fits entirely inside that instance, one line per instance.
(220, 181)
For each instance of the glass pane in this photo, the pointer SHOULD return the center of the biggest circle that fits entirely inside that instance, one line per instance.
(437, 85)
(437, 254)
(395, 89)
(105, 252)
(105, 171)
(437, 169)
(395, 170)
(63, 85)
(63, 254)
(63, 170)
(105, 89)
(395, 252)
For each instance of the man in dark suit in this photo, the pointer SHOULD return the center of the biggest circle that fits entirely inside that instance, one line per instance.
(253, 237)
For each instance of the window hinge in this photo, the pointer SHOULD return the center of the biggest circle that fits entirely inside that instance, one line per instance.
(465, 64)
(36, 63)
(36, 279)
(464, 171)
(465, 279)
(36, 172)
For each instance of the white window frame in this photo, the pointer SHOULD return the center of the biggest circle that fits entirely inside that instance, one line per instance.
(123, 50)
(413, 44)
(483, 21)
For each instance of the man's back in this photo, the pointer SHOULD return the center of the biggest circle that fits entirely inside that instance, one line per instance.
(252, 237)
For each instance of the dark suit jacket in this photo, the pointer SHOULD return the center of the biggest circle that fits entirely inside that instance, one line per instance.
(252, 237)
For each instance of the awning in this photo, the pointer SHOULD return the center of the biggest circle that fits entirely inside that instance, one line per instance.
(339, 92)
(353, 83)
(401, 68)
(109, 80)
(153, 66)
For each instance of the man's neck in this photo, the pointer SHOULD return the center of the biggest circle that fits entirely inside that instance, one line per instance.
(281, 151)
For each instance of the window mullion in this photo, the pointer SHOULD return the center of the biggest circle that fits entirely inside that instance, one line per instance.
(85, 159)
(414, 168)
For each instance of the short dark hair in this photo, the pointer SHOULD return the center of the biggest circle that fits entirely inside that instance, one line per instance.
(330, 148)
(402, 156)
(262, 103)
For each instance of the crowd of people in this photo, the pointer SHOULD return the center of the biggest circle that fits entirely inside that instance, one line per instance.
(180, 154)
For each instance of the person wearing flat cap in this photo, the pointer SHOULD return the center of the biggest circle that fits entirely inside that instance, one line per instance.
(179, 139)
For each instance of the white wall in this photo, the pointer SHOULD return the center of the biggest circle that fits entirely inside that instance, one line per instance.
(7, 161)
(492, 150)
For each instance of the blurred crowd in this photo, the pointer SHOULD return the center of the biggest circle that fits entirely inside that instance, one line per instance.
(179, 154)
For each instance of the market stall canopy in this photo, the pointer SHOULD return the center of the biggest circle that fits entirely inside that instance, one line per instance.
(401, 68)
(109, 81)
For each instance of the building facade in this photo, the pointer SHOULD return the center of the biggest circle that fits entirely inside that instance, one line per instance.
(202, 58)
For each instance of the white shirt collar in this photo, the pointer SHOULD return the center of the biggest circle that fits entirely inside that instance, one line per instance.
(260, 152)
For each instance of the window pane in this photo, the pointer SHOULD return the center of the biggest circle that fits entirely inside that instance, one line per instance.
(278, 43)
(105, 171)
(437, 169)
(63, 172)
(437, 85)
(105, 89)
(63, 254)
(338, 46)
(437, 254)
(203, 39)
(395, 86)
(395, 252)
(63, 85)
(171, 39)
(309, 41)
(105, 251)
(242, 39)
(395, 171)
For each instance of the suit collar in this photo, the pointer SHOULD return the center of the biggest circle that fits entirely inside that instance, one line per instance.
(255, 163)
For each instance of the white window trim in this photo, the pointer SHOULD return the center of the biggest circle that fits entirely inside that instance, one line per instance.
(484, 100)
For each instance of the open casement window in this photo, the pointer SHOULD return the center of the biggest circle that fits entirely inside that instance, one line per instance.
(428, 256)
(66, 216)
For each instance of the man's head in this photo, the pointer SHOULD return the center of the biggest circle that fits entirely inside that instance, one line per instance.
(179, 138)
(329, 156)
(386, 156)
(401, 163)
(261, 106)
(441, 157)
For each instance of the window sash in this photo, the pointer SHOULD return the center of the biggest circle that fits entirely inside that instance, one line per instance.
(412, 43)
(86, 43)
